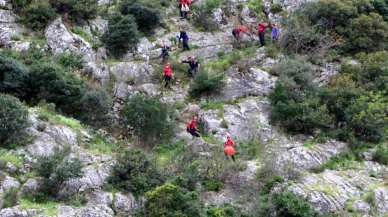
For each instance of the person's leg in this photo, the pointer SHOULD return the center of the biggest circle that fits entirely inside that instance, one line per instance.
(186, 45)
(234, 160)
(190, 71)
(261, 36)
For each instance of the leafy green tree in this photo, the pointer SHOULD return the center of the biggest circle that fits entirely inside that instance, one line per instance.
(146, 18)
(77, 10)
(13, 118)
(95, 108)
(50, 83)
(367, 33)
(169, 200)
(37, 15)
(122, 35)
(148, 118)
(367, 117)
(135, 173)
(13, 77)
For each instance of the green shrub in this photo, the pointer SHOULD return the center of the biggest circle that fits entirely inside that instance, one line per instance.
(226, 211)
(381, 154)
(276, 8)
(54, 171)
(13, 119)
(295, 103)
(169, 200)
(13, 77)
(212, 185)
(122, 35)
(205, 83)
(70, 61)
(287, 204)
(38, 15)
(78, 10)
(148, 118)
(19, 5)
(367, 117)
(50, 83)
(135, 173)
(10, 198)
(95, 108)
(146, 18)
(367, 33)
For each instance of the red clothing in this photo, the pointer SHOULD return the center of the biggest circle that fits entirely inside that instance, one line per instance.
(167, 71)
(229, 142)
(184, 2)
(262, 27)
(192, 125)
(229, 147)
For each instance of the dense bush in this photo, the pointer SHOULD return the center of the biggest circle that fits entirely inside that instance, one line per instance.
(169, 200)
(287, 204)
(135, 173)
(78, 10)
(294, 101)
(13, 76)
(206, 83)
(9, 198)
(122, 35)
(381, 154)
(352, 25)
(50, 83)
(13, 118)
(146, 18)
(37, 15)
(54, 171)
(19, 5)
(148, 118)
(70, 61)
(95, 108)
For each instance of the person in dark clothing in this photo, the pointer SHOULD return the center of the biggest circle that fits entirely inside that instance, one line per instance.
(165, 53)
(192, 127)
(261, 29)
(185, 40)
(193, 66)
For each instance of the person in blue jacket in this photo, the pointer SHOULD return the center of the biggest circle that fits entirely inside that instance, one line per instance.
(185, 40)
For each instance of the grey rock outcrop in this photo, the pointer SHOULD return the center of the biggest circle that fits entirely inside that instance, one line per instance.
(17, 212)
(125, 204)
(10, 30)
(61, 40)
(7, 183)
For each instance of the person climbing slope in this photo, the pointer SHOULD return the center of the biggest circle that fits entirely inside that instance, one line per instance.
(261, 29)
(167, 74)
(165, 52)
(275, 32)
(192, 127)
(185, 40)
(229, 148)
(193, 66)
(236, 32)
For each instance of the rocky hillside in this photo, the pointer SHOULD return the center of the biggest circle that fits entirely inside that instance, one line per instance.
(90, 130)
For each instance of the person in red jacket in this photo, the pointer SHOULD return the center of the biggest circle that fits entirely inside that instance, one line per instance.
(184, 8)
(229, 148)
(192, 127)
(261, 29)
(167, 74)
(238, 31)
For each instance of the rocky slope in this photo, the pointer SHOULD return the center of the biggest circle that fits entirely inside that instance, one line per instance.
(244, 114)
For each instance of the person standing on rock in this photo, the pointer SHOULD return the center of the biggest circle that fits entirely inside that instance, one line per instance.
(167, 74)
(165, 53)
(229, 148)
(236, 32)
(192, 127)
(261, 29)
(193, 66)
(184, 7)
(275, 32)
(185, 40)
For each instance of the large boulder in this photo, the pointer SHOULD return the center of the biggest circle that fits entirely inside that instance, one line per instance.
(7, 183)
(9, 30)
(61, 40)
(134, 73)
(125, 204)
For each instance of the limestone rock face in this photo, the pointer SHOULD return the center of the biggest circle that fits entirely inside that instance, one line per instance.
(125, 204)
(16, 212)
(61, 40)
(331, 191)
(7, 183)
(9, 30)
